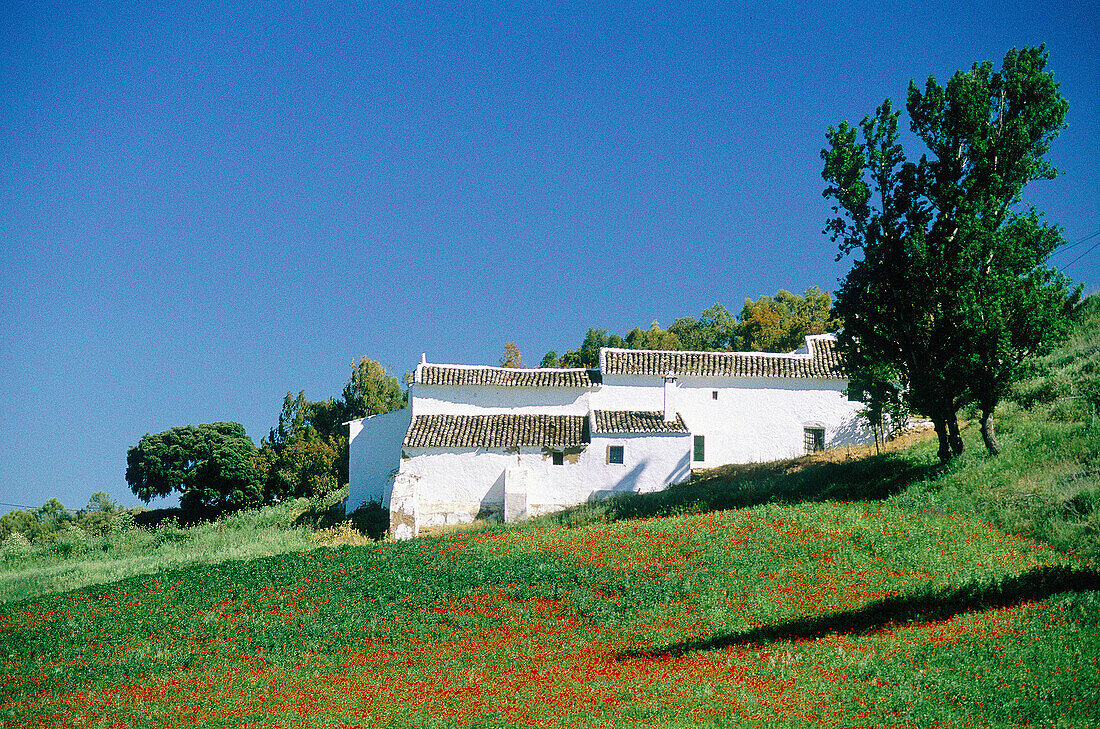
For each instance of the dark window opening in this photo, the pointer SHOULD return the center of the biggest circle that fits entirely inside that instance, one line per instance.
(558, 458)
(614, 454)
(714, 394)
(700, 449)
(814, 439)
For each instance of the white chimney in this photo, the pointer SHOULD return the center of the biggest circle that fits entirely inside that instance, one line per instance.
(670, 408)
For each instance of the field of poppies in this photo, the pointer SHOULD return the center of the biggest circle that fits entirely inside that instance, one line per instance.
(859, 614)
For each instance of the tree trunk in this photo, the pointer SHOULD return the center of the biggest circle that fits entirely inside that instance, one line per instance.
(954, 438)
(988, 435)
(941, 433)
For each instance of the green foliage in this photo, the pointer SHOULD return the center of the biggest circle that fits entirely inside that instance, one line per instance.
(951, 294)
(781, 323)
(370, 390)
(653, 338)
(588, 355)
(45, 523)
(306, 454)
(210, 466)
(301, 455)
(715, 330)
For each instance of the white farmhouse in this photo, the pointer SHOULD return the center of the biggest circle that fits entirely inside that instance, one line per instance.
(492, 442)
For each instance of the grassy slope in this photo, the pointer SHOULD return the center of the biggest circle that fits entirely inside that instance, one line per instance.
(78, 560)
(876, 592)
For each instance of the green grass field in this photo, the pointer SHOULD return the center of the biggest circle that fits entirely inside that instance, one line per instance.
(848, 614)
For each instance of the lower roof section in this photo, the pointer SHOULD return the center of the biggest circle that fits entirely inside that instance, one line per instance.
(635, 421)
(496, 431)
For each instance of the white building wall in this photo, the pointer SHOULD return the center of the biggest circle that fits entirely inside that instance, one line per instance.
(487, 400)
(751, 420)
(374, 456)
(459, 485)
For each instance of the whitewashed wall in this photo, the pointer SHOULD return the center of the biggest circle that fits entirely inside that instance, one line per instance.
(751, 420)
(374, 456)
(485, 400)
(458, 485)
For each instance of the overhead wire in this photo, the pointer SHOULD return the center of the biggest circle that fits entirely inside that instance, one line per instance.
(1075, 260)
(1077, 242)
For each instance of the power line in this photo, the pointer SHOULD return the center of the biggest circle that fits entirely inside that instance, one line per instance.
(1074, 244)
(21, 506)
(1088, 251)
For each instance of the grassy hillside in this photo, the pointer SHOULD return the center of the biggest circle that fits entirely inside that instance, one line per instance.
(77, 559)
(850, 614)
(878, 591)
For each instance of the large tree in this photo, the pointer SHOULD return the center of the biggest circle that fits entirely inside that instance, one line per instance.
(951, 292)
(210, 466)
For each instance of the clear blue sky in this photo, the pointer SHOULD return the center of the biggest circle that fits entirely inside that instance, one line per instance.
(204, 206)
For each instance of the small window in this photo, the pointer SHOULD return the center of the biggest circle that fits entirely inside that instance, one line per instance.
(700, 449)
(558, 458)
(614, 454)
(714, 394)
(814, 439)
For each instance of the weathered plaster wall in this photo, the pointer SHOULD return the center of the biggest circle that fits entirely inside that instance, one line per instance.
(459, 485)
(751, 419)
(374, 456)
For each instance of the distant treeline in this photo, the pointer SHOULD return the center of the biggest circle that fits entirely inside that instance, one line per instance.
(777, 323)
(52, 518)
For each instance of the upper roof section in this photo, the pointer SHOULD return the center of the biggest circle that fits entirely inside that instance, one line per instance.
(635, 421)
(820, 361)
(443, 374)
(496, 431)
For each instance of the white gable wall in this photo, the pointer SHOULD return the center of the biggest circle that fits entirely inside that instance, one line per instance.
(374, 456)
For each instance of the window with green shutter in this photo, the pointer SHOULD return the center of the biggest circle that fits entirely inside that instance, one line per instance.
(700, 449)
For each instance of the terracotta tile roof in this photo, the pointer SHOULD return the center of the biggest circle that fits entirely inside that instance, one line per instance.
(636, 421)
(823, 362)
(495, 431)
(439, 374)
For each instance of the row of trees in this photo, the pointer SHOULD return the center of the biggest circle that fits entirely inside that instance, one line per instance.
(52, 518)
(952, 293)
(215, 467)
(777, 323)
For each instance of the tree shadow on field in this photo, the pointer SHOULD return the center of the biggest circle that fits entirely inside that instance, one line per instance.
(1036, 584)
(791, 481)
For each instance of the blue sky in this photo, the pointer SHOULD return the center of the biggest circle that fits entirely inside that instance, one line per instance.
(204, 206)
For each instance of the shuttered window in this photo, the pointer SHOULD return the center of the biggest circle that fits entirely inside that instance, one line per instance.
(700, 449)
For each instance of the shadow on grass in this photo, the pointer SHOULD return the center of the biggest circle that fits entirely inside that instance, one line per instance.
(736, 487)
(1036, 584)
